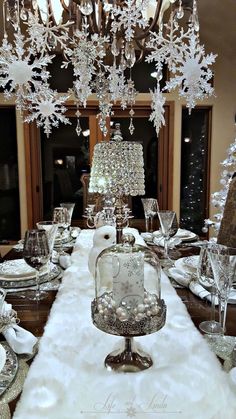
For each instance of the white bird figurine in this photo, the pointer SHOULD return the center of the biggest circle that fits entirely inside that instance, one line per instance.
(104, 237)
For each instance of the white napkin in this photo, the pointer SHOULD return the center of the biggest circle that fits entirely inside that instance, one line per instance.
(159, 241)
(19, 339)
(185, 279)
(64, 260)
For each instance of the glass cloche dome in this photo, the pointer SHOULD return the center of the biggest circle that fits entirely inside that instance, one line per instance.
(128, 295)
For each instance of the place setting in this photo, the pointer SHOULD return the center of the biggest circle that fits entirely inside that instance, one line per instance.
(18, 347)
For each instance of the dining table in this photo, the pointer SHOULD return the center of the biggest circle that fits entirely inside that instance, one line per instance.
(34, 316)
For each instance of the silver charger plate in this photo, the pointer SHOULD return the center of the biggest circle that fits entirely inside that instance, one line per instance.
(24, 283)
(10, 368)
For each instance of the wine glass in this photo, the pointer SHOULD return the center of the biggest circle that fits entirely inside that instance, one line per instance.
(223, 267)
(206, 279)
(51, 228)
(36, 254)
(62, 218)
(166, 220)
(150, 207)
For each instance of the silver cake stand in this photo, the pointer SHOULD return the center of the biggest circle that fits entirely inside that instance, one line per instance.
(129, 358)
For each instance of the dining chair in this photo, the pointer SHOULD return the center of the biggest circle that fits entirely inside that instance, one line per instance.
(227, 232)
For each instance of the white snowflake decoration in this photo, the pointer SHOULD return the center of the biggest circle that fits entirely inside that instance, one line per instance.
(129, 16)
(158, 110)
(46, 107)
(20, 73)
(86, 56)
(193, 73)
(167, 48)
(46, 36)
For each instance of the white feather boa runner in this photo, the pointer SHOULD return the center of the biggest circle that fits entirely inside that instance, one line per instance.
(67, 380)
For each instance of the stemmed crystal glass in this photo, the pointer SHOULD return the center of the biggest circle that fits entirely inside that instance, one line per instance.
(151, 208)
(36, 254)
(62, 218)
(70, 208)
(223, 267)
(51, 228)
(166, 219)
(206, 279)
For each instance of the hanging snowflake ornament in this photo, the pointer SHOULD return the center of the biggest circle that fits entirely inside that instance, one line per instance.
(86, 55)
(129, 16)
(46, 36)
(193, 73)
(158, 110)
(46, 107)
(20, 72)
(168, 45)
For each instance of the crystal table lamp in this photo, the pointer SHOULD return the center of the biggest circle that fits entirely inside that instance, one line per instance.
(118, 170)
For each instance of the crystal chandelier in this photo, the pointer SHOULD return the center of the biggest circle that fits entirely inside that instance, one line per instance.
(102, 40)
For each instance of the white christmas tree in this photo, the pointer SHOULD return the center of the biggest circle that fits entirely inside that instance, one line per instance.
(219, 198)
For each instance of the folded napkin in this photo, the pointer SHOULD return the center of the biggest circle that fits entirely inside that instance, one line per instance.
(64, 260)
(159, 241)
(186, 279)
(19, 339)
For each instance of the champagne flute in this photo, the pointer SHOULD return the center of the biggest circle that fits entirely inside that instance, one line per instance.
(70, 208)
(206, 279)
(36, 254)
(223, 267)
(166, 220)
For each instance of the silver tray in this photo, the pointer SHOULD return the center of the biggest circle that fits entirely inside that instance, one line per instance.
(10, 368)
(17, 283)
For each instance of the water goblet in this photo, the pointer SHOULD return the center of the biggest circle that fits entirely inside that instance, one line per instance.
(150, 207)
(36, 254)
(51, 228)
(166, 220)
(61, 217)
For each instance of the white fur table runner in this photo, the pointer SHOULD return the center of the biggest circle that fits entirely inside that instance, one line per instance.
(68, 380)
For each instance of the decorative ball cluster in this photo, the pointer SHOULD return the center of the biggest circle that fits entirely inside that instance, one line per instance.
(108, 308)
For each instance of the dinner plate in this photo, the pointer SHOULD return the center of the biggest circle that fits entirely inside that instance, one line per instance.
(184, 235)
(10, 368)
(2, 357)
(25, 282)
(18, 269)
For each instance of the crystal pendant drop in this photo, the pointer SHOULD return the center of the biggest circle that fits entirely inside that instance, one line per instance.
(130, 54)
(194, 19)
(78, 128)
(131, 125)
(86, 7)
(115, 48)
(180, 12)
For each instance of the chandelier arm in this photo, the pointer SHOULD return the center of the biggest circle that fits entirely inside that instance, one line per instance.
(153, 23)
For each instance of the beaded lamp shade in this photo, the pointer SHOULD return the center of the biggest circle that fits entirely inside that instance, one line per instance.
(117, 167)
